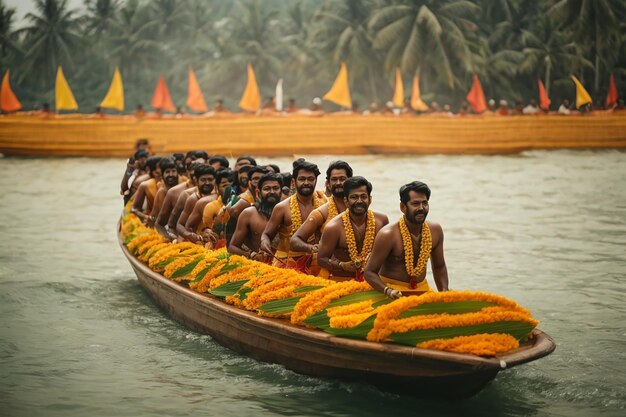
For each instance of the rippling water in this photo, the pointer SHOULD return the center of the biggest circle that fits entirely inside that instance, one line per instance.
(79, 337)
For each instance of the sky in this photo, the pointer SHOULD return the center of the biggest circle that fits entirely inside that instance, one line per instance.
(23, 7)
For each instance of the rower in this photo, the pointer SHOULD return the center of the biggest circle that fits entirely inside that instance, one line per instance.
(169, 174)
(144, 197)
(205, 178)
(397, 264)
(348, 238)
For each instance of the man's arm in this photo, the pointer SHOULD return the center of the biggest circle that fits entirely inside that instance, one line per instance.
(237, 240)
(328, 244)
(298, 242)
(182, 220)
(274, 223)
(140, 196)
(158, 203)
(195, 217)
(166, 210)
(177, 210)
(383, 245)
(437, 260)
(235, 210)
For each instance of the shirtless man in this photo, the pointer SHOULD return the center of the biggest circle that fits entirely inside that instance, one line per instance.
(247, 198)
(169, 174)
(147, 190)
(251, 223)
(195, 222)
(348, 238)
(205, 178)
(336, 174)
(288, 214)
(408, 241)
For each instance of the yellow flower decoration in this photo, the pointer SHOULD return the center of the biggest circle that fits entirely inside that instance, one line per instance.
(478, 344)
(415, 270)
(296, 214)
(359, 258)
(332, 208)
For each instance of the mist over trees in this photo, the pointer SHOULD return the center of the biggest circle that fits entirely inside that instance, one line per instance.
(510, 44)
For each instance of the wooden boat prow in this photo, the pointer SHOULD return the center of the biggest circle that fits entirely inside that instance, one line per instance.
(397, 368)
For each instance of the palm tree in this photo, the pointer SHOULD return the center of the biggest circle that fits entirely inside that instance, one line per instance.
(430, 34)
(7, 36)
(596, 24)
(53, 37)
(100, 15)
(343, 34)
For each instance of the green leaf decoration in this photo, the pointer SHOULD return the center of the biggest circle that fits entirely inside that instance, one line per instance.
(243, 292)
(517, 329)
(382, 302)
(202, 273)
(307, 288)
(319, 320)
(457, 307)
(185, 270)
(228, 289)
(228, 267)
(357, 297)
(283, 306)
(356, 332)
(166, 262)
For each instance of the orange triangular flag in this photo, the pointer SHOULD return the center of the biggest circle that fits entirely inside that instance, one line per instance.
(339, 93)
(544, 100)
(251, 98)
(612, 96)
(8, 100)
(398, 94)
(416, 100)
(476, 97)
(195, 99)
(161, 99)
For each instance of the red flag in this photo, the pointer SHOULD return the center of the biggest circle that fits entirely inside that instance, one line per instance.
(544, 100)
(195, 99)
(161, 99)
(611, 96)
(8, 100)
(476, 97)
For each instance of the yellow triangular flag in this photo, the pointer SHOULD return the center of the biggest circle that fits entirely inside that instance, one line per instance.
(251, 98)
(63, 94)
(582, 96)
(416, 100)
(115, 96)
(339, 93)
(398, 94)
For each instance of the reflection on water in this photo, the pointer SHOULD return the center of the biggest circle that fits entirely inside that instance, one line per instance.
(79, 337)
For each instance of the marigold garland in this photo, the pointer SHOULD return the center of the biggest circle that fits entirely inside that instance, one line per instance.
(176, 264)
(280, 287)
(359, 258)
(332, 208)
(415, 270)
(296, 214)
(343, 317)
(317, 301)
(478, 344)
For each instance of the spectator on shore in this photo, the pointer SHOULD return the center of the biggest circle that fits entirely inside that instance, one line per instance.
(564, 108)
(518, 110)
(531, 108)
(291, 107)
(139, 112)
(491, 107)
(372, 109)
(503, 108)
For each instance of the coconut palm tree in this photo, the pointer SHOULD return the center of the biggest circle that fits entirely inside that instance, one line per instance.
(100, 15)
(8, 40)
(430, 34)
(52, 38)
(595, 24)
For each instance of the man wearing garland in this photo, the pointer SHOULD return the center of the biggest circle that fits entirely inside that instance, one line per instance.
(205, 178)
(397, 264)
(251, 223)
(170, 178)
(287, 218)
(336, 174)
(147, 190)
(348, 239)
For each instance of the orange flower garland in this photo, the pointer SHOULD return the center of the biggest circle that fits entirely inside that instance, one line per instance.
(296, 214)
(359, 258)
(426, 244)
(350, 315)
(332, 208)
(477, 344)
(317, 301)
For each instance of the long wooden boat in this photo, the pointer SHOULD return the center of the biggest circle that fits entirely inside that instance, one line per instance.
(403, 369)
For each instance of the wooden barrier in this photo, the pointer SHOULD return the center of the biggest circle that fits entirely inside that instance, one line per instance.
(330, 134)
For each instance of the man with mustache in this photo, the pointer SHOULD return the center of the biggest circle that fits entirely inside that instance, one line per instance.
(397, 264)
(205, 178)
(169, 179)
(246, 240)
(348, 238)
(288, 215)
(147, 189)
(336, 174)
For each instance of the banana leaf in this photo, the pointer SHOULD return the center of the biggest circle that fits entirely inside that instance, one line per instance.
(282, 306)
(166, 262)
(457, 307)
(228, 289)
(185, 270)
(517, 329)
(243, 292)
(307, 288)
(357, 332)
(202, 273)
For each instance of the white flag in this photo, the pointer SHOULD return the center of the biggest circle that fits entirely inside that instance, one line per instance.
(279, 95)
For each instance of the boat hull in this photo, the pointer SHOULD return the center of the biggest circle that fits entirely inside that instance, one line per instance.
(396, 368)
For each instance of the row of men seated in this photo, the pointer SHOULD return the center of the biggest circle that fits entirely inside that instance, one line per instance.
(280, 218)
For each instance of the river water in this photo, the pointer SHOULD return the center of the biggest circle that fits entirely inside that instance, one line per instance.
(79, 337)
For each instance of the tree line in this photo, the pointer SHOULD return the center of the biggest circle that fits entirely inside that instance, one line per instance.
(510, 44)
